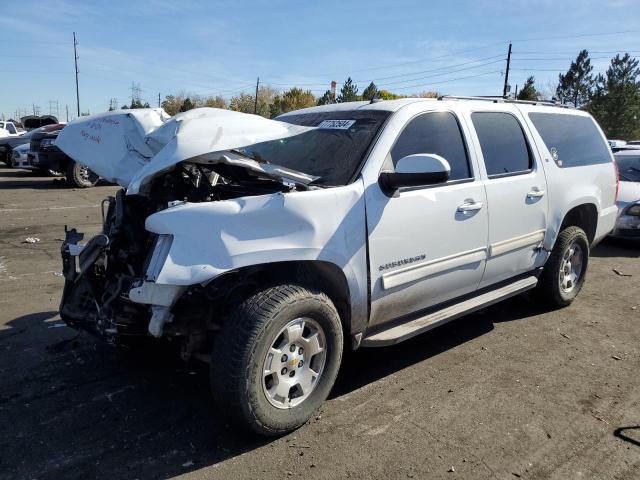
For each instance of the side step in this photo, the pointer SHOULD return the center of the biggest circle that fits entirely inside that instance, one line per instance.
(398, 333)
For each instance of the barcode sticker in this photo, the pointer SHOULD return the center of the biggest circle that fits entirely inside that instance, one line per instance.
(337, 124)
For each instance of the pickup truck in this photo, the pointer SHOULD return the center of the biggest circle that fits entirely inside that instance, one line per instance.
(267, 247)
(8, 129)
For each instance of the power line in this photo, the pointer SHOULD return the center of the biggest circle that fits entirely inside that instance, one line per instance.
(449, 80)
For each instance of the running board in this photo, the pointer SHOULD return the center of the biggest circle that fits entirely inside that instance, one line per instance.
(399, 333)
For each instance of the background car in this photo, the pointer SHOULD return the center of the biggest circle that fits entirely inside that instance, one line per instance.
(19, 158)
(48, 159)
(628, 223)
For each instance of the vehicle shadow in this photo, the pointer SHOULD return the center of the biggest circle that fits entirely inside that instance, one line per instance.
(617, 247)
(104, 412)
(12, 179)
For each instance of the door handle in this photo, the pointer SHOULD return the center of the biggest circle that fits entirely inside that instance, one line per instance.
(536, 193)
(470, 206)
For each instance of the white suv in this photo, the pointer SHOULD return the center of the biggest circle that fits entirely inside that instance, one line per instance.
(267, 246)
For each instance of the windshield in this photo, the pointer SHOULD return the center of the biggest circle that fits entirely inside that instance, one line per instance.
(333, 151)
(629, 167)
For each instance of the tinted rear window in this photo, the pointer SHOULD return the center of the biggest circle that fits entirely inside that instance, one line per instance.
(504, 148)
(572, 140)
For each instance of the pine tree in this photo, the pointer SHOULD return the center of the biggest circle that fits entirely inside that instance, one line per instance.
(187, 105)
(370, 92)
(326, 98)
(576, 85)
(348, 92)
(529, 91)
(615, 101)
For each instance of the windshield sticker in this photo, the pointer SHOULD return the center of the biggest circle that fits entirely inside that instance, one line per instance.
(337, 124)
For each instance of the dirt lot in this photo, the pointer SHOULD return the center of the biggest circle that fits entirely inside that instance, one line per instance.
(511, 392)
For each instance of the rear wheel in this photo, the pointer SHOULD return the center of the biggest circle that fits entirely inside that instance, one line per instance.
(565, 271)
(276, 358)
(79, 176)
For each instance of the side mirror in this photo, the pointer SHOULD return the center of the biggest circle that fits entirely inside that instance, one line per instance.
(416, 170)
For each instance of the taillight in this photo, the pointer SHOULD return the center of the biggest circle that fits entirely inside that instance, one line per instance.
(615, 167)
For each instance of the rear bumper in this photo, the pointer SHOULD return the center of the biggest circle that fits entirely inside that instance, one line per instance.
(606, 223)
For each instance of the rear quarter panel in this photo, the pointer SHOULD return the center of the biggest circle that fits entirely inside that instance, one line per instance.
(570, 187)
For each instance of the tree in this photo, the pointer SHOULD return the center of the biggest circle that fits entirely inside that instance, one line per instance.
(245, 102)
(428, 94)
(387, 95)
(370, 92)
(615, 100)
(292, 99)
(348, 92)
(326, 98)
(576, 85)
(187, 105)
(215, 102)
(528, 91)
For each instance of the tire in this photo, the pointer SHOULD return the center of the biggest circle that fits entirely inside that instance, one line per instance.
(559, 290)
(79, 176)
(242, 354)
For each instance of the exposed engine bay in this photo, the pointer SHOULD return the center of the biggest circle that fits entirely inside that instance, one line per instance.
(114, 262)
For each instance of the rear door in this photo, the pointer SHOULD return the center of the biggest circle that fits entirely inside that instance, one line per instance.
(516, 192)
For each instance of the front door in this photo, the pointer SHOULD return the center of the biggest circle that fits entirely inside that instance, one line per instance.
(516, 194)
(427, 244)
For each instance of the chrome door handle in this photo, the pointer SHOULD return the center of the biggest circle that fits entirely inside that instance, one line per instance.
(470, 206)
(536, 193)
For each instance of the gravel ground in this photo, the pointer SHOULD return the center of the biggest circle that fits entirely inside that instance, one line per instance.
(514, 391)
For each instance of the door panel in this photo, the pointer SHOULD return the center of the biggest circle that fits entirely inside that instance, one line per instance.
(516, 195)
(426, 245)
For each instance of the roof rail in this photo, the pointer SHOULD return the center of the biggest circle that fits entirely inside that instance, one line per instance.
(496, 99)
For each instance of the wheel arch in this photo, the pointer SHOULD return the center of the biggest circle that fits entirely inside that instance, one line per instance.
(324, 276)
(584, 216)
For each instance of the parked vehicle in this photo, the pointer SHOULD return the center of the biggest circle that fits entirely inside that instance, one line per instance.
(47, 158)
(628, 223)
(8, 129)
(31, 122)
(8, 144)
(19, 157)
(268, 246)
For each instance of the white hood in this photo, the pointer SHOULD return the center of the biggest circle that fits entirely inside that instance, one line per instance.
(130, 147)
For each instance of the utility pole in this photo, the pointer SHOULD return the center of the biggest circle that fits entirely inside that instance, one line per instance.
(255, 106)
(158, 99)
(506, 75)
(75, 58)
(67, 107)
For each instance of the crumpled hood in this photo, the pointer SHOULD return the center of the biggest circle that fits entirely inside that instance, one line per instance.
(130, 147)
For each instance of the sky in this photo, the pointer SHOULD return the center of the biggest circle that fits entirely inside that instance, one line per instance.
(221, 47)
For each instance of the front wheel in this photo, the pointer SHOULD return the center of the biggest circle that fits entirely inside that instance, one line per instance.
(276, 358)
(79, 176)
(566, 269)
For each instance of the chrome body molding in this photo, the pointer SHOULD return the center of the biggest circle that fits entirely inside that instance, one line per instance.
(533, 238)
(432, 267)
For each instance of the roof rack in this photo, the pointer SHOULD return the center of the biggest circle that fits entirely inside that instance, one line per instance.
(495, 99)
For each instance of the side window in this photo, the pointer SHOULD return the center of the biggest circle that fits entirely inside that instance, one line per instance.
(572, 140)
(504, 147)
(11, 128)
(435, 132)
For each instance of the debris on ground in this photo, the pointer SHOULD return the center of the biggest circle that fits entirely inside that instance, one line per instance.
(566, 336)
(618, 272)
(451, 469)
(31, 240)
(615, 357)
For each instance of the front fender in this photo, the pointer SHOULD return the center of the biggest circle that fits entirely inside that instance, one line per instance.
(212, 238)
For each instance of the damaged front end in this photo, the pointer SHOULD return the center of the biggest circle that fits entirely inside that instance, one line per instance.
(100, 274)
(110, 281)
